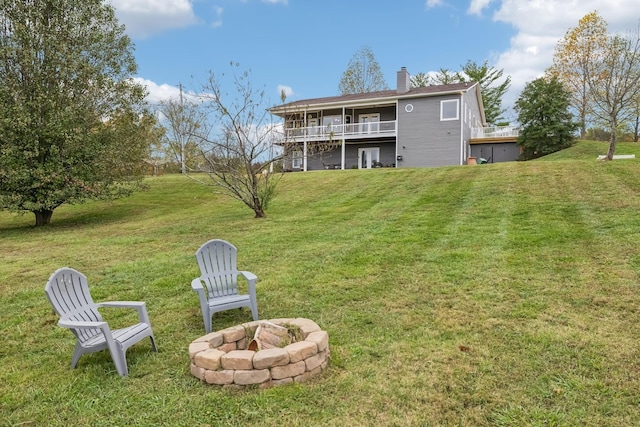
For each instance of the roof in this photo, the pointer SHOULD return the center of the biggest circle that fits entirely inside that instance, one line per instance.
(380, 96)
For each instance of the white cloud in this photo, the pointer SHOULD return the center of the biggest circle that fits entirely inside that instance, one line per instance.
(539, 25)
(434, 3)
(476, 6)
(286, 89)
(218, 22)
(144, 18)
(276, 1)
(164, 92)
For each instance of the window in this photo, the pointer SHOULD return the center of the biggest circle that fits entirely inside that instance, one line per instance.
(312, 124)
(296, 160)
(449, 110)
(331, 121)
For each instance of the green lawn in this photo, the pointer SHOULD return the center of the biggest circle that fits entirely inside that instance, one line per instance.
(490, 295)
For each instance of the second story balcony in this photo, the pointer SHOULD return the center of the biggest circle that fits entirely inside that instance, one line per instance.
(343, 131)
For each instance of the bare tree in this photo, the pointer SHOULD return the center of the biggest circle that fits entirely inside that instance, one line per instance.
(635, 118)
(238, 153)
(573, 58)
(614, 82)
(363, 74)
(183, 119)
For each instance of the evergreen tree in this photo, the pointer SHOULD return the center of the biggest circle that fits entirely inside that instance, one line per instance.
(543, 112)
(492, 91)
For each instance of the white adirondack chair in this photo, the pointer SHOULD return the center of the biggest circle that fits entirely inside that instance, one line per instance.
(68, 292)
(217, 286)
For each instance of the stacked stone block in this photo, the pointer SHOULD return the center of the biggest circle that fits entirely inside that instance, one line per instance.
(222, 358)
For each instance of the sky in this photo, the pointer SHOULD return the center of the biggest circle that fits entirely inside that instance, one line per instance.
(304, 46)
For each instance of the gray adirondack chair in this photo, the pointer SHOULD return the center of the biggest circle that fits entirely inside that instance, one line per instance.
(217, 286)
(68, 292)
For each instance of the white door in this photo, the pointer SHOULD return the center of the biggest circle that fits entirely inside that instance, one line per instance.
(369, 123)
(313, 127)
(368, 157)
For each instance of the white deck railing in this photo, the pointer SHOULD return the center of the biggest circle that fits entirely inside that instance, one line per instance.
(347, 131)
(377, 129)
(495, 132)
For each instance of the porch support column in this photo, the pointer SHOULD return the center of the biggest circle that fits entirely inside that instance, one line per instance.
(344, 125)
(304, 156)
(304, 153)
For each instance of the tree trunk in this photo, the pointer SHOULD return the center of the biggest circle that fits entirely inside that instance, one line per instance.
(612, 143)
(43, 217)
(258, 206)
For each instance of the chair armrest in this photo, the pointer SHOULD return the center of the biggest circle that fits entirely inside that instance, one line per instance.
(196, 285)
(249, 276)
(251, 279)
(123, 304)
(140, 306)
(74, 324)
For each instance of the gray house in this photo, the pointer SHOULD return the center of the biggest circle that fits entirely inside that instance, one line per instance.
(408, 127)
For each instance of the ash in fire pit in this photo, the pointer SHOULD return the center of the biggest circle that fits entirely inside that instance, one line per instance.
(263, 353)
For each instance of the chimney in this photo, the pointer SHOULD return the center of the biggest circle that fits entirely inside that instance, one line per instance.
(404, 80)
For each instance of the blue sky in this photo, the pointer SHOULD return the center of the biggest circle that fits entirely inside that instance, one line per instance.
(305, 46)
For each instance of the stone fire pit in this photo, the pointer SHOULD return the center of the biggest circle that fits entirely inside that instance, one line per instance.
(222, 357)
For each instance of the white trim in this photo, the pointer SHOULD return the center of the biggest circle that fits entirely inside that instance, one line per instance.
(463, 144)
(380, 101)
(296, 160)
(368, 150)
(370, 126)
(457, 117)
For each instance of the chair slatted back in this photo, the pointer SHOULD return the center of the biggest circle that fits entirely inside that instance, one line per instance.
(217, 260)
(68, 293)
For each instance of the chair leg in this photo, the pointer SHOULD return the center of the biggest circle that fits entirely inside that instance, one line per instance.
(207, 322)
(119, 357)
(254, 311)
(77, 352)
(153, 343)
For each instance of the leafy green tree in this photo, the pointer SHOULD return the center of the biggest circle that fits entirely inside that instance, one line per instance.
(543, 112)
(69, 110)
(492, 90)
(363, 74)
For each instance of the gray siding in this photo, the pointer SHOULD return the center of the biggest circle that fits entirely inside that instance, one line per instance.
(331, 159)
(497, 152)
(470, 118)
(425, 140)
